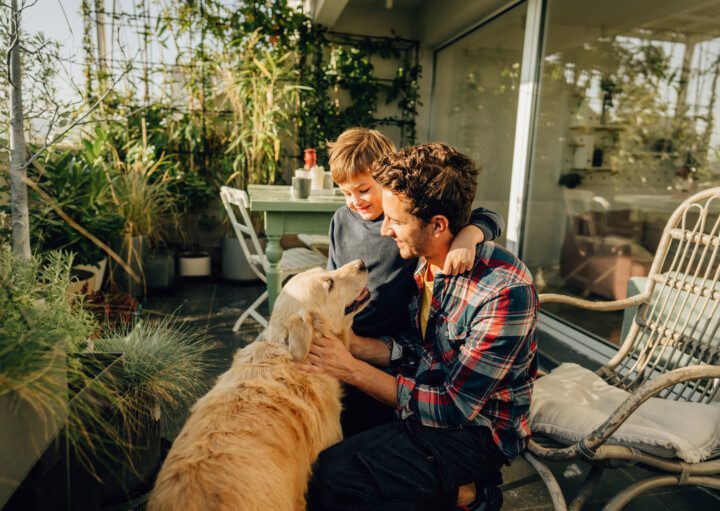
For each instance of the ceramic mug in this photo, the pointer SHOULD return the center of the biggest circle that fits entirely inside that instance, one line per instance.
(301, 187)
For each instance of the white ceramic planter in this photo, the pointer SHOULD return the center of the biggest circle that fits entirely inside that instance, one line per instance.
(194, 264)
(95, 282)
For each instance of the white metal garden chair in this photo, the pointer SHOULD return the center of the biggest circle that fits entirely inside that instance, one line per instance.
(670, 354)
(293, 261)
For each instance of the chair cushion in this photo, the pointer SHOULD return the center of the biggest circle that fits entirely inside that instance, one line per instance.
(294, 260)
(571, 401)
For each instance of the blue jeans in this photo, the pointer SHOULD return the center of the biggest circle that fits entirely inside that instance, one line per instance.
(403, 466)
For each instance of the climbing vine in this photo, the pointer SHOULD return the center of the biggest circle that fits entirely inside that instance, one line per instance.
(344, 62)
(339, 83)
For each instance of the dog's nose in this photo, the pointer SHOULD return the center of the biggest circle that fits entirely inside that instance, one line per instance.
(361, 265)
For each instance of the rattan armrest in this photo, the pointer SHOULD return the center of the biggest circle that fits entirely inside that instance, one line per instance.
(592, 305)
(552, 453)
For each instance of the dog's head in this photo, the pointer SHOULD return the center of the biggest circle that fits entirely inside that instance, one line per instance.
(318, 301)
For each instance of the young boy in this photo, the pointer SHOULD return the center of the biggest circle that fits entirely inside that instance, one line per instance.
(355, 234)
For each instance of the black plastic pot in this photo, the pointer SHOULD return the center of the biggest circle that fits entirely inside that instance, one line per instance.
(115, 475)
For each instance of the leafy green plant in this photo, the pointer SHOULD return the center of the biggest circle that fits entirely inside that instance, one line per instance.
(77, 182)
(48, 344)
(5, 230)
(139, 184)
(332, 61)
(282, 28)
(42, 322)
(191, 191)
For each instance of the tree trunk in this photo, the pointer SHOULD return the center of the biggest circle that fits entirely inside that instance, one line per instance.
(18, 172)
(103, 71)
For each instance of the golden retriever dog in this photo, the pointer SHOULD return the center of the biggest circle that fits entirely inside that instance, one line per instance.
(249, 444)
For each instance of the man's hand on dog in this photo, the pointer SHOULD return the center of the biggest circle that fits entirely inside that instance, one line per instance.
(330, 356)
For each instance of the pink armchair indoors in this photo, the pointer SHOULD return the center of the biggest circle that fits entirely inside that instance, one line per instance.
(601, 250)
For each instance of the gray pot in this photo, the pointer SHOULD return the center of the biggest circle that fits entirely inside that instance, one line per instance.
(160, 271)
(234, 264)
(139, 254)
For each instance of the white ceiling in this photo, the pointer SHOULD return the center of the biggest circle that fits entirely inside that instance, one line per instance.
(402, 5)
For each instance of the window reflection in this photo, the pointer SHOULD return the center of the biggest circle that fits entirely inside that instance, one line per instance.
(475, 99)
(627, 128)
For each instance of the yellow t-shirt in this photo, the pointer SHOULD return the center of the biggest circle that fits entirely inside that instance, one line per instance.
(426, 298)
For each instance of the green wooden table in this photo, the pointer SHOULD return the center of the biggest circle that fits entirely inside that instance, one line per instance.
(286, 215)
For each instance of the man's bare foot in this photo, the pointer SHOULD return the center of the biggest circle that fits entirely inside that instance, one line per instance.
(466, 494)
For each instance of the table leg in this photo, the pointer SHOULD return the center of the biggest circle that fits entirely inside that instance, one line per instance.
(273, 252)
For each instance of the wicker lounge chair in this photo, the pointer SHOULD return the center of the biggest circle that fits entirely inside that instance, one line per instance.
(671, 353)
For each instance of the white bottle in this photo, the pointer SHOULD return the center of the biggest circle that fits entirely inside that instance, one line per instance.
(317, 174)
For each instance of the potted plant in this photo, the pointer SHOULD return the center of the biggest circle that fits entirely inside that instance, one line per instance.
(159, 269)
(80, 188)
(163, 373)
(104, 393)
(260, 85)
(41, 322)
(139, 183)
(193, 193)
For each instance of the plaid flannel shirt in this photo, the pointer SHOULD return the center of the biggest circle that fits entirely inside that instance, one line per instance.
(478, 360)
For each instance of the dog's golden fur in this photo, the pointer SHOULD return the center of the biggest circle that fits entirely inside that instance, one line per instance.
(249, 444)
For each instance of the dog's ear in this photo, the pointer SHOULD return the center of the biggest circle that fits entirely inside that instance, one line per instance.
(295, 331)
(299, 334)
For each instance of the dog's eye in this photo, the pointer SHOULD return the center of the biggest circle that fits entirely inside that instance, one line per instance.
(328, 284)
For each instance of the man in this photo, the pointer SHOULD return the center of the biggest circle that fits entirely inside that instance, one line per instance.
(464, 370)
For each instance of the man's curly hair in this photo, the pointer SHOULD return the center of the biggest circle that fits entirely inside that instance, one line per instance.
(436, 179)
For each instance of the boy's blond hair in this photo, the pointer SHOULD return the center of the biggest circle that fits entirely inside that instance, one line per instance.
(354, 152)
